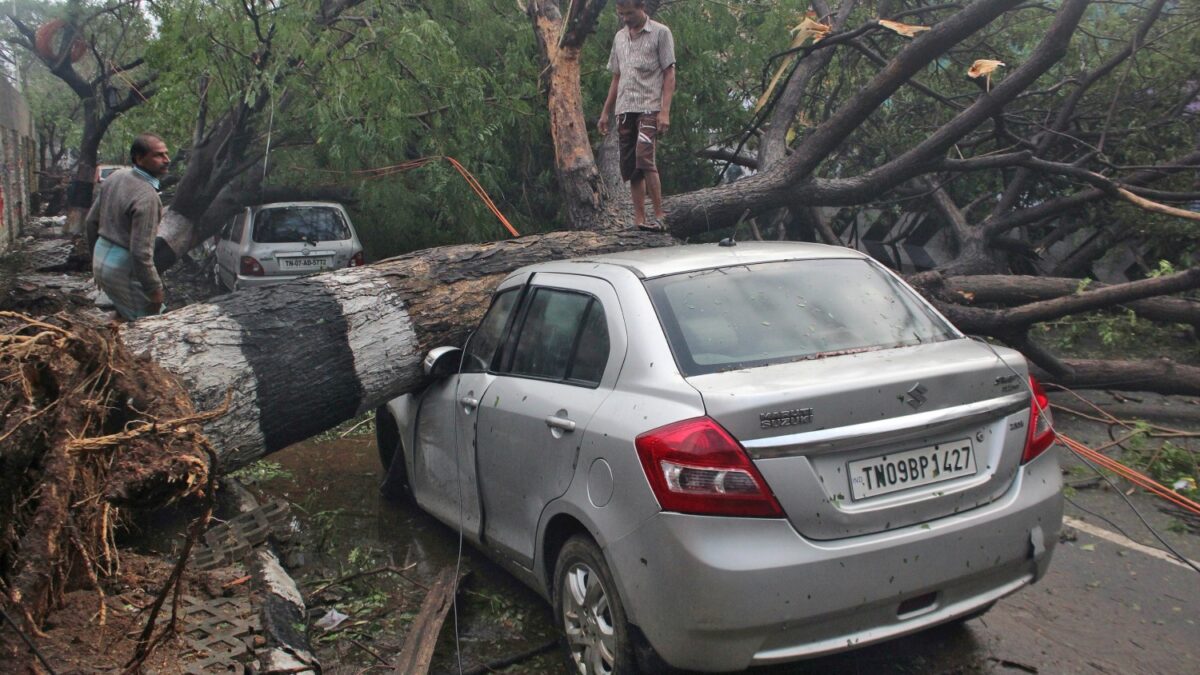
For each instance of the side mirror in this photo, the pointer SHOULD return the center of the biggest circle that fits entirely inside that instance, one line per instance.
(442, 361)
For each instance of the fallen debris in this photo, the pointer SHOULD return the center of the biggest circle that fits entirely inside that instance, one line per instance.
(417, 654)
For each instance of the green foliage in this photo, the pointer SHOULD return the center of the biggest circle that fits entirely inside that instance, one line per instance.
(1118, 334)
(261, 471)
(393, 82)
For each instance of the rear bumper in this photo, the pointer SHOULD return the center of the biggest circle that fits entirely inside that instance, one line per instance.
(727, 593)
(255, 282)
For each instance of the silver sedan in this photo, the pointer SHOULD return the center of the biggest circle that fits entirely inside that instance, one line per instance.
(716, 457)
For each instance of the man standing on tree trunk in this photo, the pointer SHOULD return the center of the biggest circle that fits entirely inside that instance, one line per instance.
(642, 62)
(121, 227)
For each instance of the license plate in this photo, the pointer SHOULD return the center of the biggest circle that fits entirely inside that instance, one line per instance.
(304, 263)
(911, 468)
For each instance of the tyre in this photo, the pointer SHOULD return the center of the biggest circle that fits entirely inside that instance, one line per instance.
(387, 439)
(589, 612)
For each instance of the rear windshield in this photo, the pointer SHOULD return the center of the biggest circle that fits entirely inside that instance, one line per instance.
(291, 224)
(754, 315)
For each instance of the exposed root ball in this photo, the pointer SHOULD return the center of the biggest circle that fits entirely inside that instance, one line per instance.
(86, 428)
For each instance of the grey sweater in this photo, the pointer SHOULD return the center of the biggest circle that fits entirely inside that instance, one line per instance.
(127, 214)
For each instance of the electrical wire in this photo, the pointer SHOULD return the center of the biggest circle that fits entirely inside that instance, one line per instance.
(1083, 452)
(472, 182)
(1111, 524)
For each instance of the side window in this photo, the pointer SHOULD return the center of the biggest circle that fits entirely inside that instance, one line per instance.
(483, 343)
(592, 353)
(239, 227)
(226, 229)
(557, 324)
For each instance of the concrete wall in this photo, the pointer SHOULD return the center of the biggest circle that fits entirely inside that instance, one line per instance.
(17, 152)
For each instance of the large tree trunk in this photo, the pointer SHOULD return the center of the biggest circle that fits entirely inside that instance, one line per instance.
(304, 356)
(301, 357)
(560, 42)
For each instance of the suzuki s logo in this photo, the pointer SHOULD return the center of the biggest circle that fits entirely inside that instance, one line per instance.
(915, 397)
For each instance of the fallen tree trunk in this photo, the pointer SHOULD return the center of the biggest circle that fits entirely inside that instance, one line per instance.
(301, 357)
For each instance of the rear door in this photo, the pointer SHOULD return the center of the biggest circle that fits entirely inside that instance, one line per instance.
(562, 361)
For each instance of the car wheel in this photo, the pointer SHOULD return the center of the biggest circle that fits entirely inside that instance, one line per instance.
(387, 439)
(589, 612)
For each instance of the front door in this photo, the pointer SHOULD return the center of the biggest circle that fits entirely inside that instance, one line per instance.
(559, 364)
(443, 477)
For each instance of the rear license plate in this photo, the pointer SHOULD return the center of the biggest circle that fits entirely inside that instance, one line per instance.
(911, 468)
(304, 263)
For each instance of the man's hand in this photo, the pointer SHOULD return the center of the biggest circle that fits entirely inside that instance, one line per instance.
(603, 123)
(664, 122)
(156, 302)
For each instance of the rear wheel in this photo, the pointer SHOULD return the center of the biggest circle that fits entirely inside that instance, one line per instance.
(387, 439)
(589, 612)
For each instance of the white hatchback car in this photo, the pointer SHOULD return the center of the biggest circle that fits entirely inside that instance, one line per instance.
(277, 242)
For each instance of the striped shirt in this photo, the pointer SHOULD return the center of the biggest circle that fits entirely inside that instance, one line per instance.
(641, 61)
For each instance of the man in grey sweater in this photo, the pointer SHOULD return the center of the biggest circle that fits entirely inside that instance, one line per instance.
(123, 222)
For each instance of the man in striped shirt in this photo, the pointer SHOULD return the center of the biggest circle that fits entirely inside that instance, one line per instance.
(642, 62)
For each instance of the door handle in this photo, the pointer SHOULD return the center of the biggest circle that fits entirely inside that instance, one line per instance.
(560, 423)
(469, 403)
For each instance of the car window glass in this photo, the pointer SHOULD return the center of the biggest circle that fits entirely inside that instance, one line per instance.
(295, 224)
(226, 229)
(482, 345)
(239, 227)
(752, 315)
(548, 334)
(592, 353)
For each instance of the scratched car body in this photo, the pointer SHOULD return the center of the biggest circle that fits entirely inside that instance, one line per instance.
(721, 457)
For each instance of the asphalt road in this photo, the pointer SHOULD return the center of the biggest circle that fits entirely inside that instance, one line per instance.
(1107, 604)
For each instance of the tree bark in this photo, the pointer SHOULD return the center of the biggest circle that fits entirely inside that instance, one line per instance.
(301, 357)
(560, 43)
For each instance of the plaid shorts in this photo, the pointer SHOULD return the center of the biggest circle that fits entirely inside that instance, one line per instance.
(637, 135)
(112, 267)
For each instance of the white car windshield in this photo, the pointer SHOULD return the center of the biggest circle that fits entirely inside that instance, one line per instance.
(755, 315)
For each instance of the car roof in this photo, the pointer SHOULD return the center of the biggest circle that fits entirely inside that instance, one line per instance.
(656, 262)
(275, 205)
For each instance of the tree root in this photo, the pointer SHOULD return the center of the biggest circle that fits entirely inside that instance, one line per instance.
(87, 428)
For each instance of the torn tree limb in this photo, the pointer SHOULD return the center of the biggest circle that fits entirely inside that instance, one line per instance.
(1010, 290)
(1013, 320)
(417, 653)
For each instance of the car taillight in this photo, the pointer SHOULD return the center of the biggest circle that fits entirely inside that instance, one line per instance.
(695, 466)
(1041, 430)
(251, 267)
(357, 260)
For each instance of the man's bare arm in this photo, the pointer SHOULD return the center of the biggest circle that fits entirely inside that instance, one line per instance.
(609, 103)
(668, 92)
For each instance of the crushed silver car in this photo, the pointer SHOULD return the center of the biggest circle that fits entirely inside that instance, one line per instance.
(277, 242)
(725, 456)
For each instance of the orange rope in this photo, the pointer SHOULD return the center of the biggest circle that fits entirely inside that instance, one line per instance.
(472, 182)
(1131, 475)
